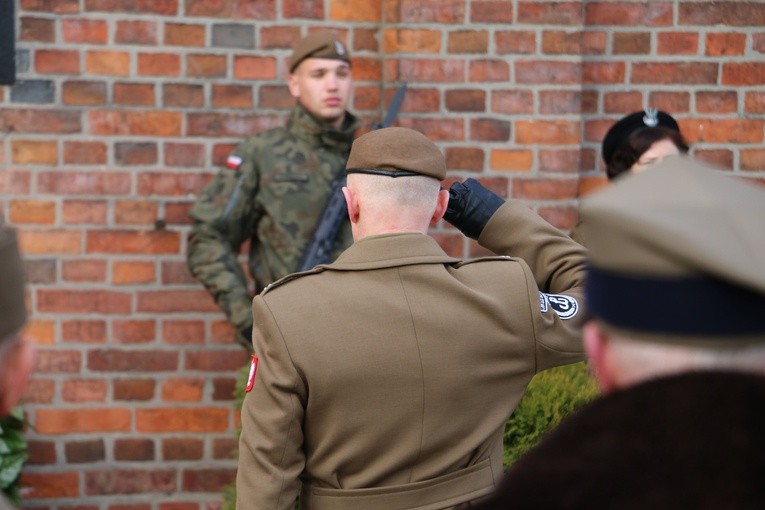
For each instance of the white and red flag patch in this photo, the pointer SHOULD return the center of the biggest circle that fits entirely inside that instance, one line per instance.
(251, 377)
(234, 162)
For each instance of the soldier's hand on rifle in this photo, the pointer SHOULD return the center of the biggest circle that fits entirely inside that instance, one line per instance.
(470, 207)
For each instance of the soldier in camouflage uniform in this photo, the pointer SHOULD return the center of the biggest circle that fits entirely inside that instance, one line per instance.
(275, 185)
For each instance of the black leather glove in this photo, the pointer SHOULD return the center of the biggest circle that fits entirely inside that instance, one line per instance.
(470, 207)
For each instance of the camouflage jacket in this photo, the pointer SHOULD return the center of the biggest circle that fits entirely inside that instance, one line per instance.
(271, 192)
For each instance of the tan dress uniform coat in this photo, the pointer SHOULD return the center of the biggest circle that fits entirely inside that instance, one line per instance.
(385, 378)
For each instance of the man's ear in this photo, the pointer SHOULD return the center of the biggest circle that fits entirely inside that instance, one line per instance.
(441, 205)
(597, 345)
(292, 84)
(352, 203)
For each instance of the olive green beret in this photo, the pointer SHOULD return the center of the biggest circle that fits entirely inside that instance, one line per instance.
(12, 308)
(678, 249)
(396, 152)
(322, 44)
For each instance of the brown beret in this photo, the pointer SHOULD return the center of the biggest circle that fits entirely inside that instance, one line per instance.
(322, 44)
(678, 249)
(396, 152)
(12, 307)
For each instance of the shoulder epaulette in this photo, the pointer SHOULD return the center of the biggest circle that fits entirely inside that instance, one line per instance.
(483, 259)
(292, 277)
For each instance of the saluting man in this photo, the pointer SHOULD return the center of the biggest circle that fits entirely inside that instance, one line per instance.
(384, 379)
(275, 185)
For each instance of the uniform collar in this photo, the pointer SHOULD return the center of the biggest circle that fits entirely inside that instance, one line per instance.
(302, 122)
(392, 250)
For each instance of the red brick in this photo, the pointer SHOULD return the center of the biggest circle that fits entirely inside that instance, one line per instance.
(573, 43)
(758, 43)
(467, 41)
(182, 449)
(83, 270)
(116, 360)
(410, 40)
(184, 95)
(183, 332)
(133, 272)
(490, 130)
(40, 332)
(224, 448)
(425, 11)
(441, 129)
(753, 159)
(141, 123)
(84, 420)
(713, 101)
(84, 183)
(446, 70)
(622, 102)
(83, 92)
(224, 388)
(36, 242)
(511, 160)
(254, 68)
(89, 31)
(168, 301)
(754, 102)
(231, 96)
(57, 62)
(206, 66)
(14, 181)
(36, 30)
(631, 43)
(724, 44)
(481, 71)
(159, 64)
(170, 184)
(133, 331)
(107, 63)
(134, 389)
(652, 14)
(558, 102)
(136, 32)
(722, 130)
(84, 153)
(548, 72)
(87, 331)
(176, 273)
(545, 189)
(743, 73)
(208, 9)
(518, 42)
(261, 10)
(465, 100)
(50, 485)
(677, 43)
(352, 10)
(83, 301)
(490, 11)
(161, 7)
(562, 217)
(84, 390)
(52, 6)
(220, 125)
(547, 132)
(559, 160)
(720, 158)
(179, 505)
(130, 449)
(207, 480)
(182, 389)
(39, 391)
(599, 73)
(184, 154)
(177, 213)
(722, 13)
(79, 212)
(216, 360)
(135, 94)
(135, 154)
(464, 158)
(34, 152)
(687, 72)
(41, 212)
(675, 102)
(177, 34)
(40, 121)
(283, 37)
(196, 419)
(130, 481)
(41, 452)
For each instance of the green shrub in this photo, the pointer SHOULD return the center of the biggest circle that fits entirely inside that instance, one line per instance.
(13, 454)
(551, 396)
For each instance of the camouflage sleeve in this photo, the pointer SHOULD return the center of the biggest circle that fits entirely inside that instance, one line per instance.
(223, 218)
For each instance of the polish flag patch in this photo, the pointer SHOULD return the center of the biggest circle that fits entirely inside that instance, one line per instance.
(251, 377)
(234, 162)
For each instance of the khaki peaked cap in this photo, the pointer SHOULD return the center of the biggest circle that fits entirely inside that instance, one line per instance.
(678, 248)
(12, 306)
(322, 44)
(396, 152)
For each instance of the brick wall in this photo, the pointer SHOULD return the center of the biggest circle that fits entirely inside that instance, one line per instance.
(124, 108)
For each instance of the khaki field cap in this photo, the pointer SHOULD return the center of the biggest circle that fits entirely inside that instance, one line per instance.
(12, 310)
(678, 249)
(396, 152)
(322, 44)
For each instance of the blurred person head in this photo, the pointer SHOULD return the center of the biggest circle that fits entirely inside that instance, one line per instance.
(639, 140)
(320, 76)
(16, 354)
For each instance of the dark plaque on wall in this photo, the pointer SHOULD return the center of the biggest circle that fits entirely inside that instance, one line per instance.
(7, 36)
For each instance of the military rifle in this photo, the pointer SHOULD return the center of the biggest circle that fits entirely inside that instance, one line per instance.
(319, 248)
